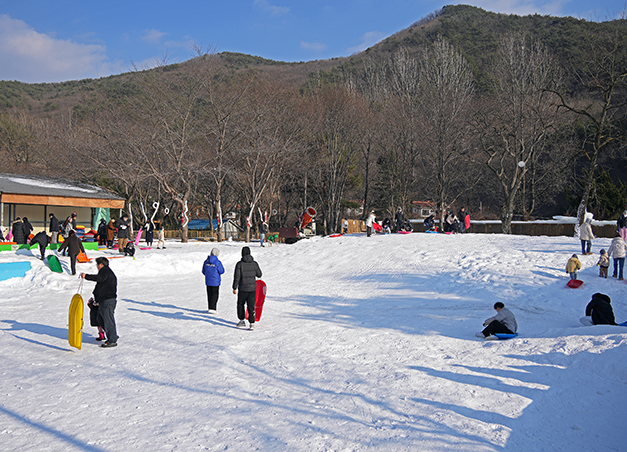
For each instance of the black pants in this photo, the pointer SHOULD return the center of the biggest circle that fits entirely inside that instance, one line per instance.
(73, 263)
(42, 250)
(106, 309)
(213, 292)
(246, 299)
(496, 327)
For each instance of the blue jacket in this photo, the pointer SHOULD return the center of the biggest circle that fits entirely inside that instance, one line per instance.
(212, 269)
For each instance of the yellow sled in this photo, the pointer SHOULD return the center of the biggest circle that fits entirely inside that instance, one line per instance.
(75, 326)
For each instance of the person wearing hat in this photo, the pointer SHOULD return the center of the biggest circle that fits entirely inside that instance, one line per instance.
(599, 311)
(245, 280)
(212, 269)
(105, 296)
(369, 221)
(603, 264)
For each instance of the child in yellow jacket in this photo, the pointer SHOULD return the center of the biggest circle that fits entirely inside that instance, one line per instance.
(573, 266)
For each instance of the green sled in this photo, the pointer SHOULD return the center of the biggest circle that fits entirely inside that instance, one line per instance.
(55, 265)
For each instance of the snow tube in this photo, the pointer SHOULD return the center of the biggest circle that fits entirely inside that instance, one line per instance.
(574, 283)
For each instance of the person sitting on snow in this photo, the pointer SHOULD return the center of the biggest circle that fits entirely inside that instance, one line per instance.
(503, 322)
(599, 311)
(573, 266)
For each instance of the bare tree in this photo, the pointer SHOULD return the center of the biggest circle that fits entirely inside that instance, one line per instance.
(604, 76)
(446, 89)
(514, 125)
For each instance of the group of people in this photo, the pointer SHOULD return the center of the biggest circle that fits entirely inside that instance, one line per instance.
(598, 312)
(107, 232)
(21, 230)
(459, 223)
(617, 250)
(247, 271)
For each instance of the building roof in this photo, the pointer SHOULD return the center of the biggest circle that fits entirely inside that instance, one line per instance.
(20, 189)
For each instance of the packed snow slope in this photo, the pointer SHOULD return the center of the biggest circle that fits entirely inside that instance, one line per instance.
(365, 344)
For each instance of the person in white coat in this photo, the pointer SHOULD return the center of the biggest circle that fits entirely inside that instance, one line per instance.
(617, 251)
(586, 236)
(369, 222)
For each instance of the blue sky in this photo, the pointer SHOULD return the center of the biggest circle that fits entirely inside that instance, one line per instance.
(51, 41)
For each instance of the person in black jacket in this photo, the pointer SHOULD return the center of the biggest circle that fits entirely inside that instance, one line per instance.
(17, 229)
(599, 311)
(245, 280)
(102, 232)
(74, 247)
(28, 228)
(105, 295)
(54, 229)
(399, 219)
(123, 232)
(42, 240)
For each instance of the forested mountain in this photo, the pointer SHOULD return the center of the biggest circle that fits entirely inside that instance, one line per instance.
(507, 115)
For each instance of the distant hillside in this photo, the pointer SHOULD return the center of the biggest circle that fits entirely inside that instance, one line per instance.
(474, 31)
(477, 34)
(50, 98)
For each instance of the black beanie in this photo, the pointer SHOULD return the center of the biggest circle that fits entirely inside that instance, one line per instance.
(245, 251)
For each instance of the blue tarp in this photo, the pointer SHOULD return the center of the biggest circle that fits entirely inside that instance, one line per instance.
(13, 270)
(200, 224)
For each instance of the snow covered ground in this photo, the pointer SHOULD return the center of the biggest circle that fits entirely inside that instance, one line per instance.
(365, 344)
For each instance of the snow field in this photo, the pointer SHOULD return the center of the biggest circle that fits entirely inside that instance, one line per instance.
(364, 344)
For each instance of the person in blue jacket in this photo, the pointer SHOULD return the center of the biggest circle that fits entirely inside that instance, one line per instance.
(212, 269)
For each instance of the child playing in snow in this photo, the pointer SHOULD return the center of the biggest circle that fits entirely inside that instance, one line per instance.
(604, 264)
(573, 266)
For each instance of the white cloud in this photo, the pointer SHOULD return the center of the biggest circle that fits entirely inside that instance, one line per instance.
(153, 36)
(317, 47)
(273, 10)
(367, 40)
(30, 56)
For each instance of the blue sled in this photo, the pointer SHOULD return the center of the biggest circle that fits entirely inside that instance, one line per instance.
(504, 336)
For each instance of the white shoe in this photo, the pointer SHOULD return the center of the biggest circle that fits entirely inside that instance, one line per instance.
(212, 311)
(479, 334)
(492, 338)
(241, 324)
(251, 327)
